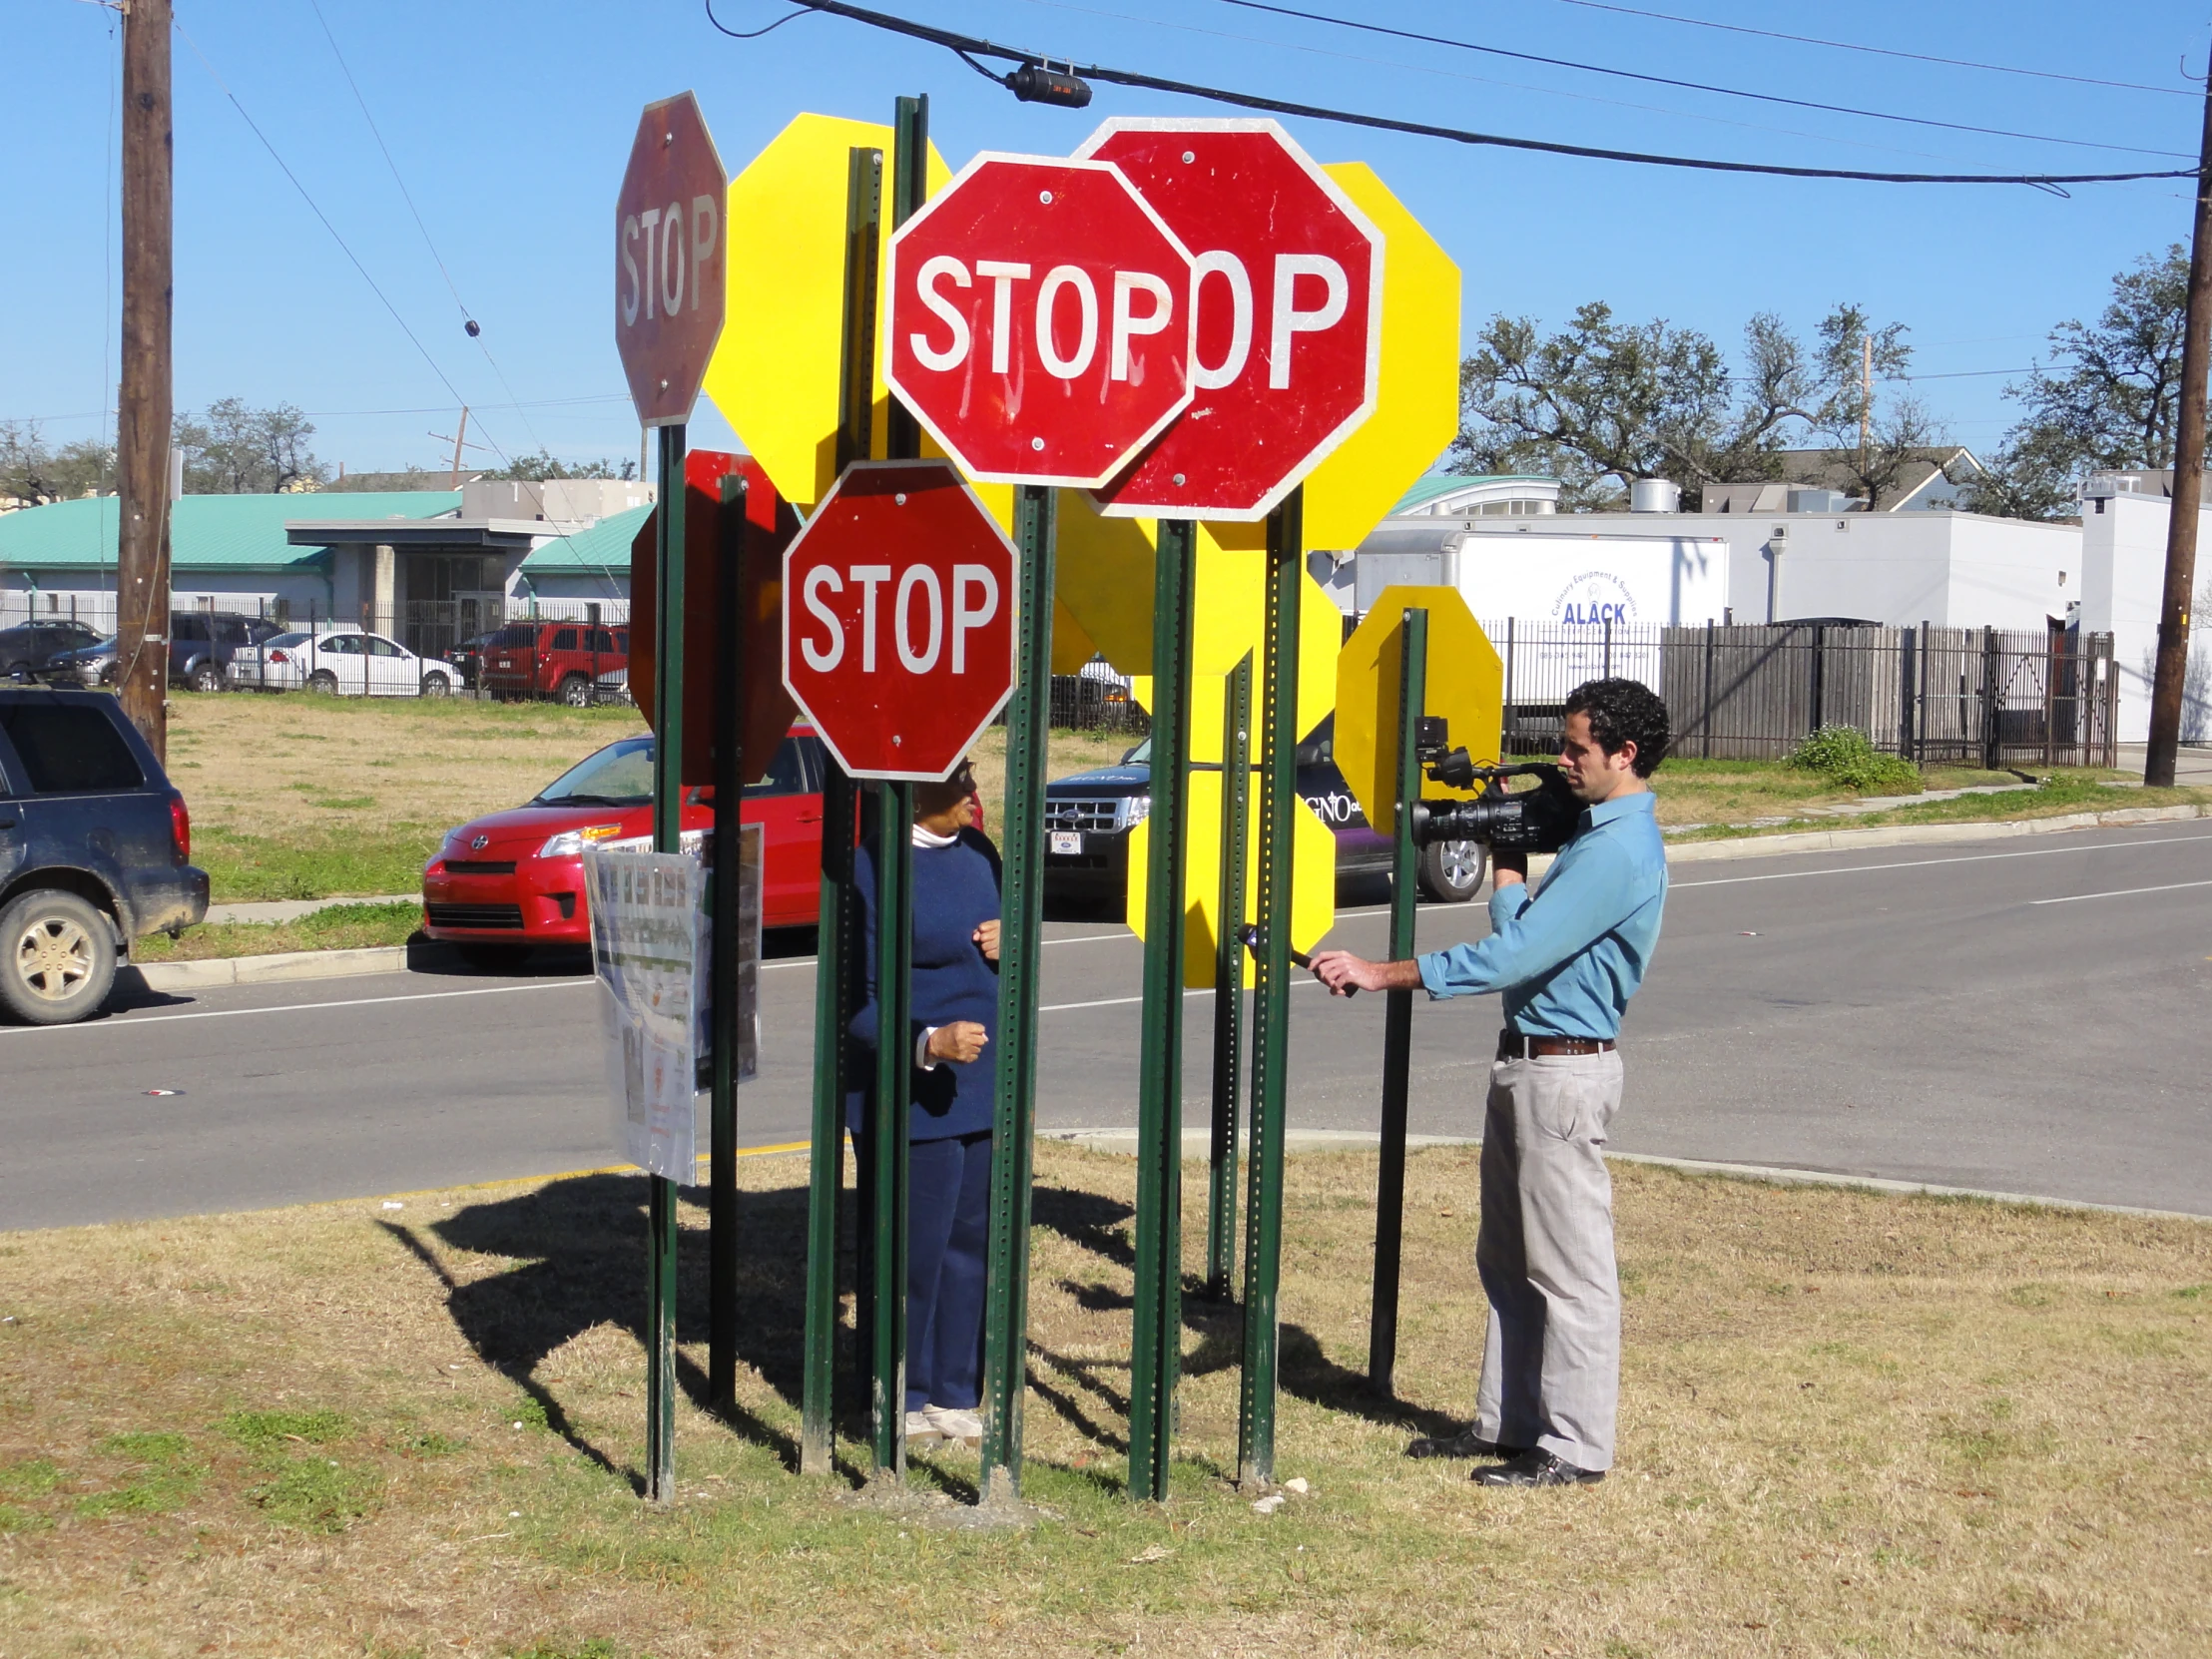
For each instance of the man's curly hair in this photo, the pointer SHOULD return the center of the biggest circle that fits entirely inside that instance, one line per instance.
(1623, 712)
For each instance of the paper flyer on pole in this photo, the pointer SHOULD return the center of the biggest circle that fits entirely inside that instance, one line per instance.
(648, 948)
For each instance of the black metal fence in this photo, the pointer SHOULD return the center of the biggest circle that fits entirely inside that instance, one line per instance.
(1964, 696)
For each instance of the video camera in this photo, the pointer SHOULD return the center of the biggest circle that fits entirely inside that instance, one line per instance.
(1531, 820)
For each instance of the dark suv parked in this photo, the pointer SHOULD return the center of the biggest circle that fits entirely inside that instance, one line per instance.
(30, 646)
(201, 644)
(95, 851)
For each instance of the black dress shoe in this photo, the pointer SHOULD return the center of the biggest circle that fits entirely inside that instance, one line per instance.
(1537, 1468)
(1467, 1444)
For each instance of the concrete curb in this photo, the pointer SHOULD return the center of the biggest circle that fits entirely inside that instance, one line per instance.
(290, 964)
(1197, 1141)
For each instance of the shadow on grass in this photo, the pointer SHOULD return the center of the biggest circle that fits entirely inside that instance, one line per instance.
(580, 1248)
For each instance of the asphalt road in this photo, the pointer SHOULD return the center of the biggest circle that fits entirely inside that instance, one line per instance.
(2019, 1015)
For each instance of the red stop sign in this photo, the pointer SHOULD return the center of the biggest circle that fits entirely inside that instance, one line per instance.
(1040, 323)
(898, 619)
(670, 264)
(1288, 292)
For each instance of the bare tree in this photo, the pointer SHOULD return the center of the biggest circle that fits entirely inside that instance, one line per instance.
(235, 449)
(31, 475)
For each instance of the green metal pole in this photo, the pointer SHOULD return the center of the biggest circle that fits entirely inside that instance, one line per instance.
(1021, 942)
(1236, 803)
(894, 932)
(835, 946)
(722, 1180)
(1398, 1016)
(668, 837)
(894, 1069)
(1157, 1349)
(1271, 1004)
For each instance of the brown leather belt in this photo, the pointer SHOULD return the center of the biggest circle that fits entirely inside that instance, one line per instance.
(1513, 1045)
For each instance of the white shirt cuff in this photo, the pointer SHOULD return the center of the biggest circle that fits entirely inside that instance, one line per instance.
(922, 1061)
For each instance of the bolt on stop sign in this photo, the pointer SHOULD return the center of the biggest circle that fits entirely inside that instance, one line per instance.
(670, 270)
(1287, 297)
(898, 619)
(1040, 322)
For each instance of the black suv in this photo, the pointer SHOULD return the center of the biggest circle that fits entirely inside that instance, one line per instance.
(1087, 819)
(95, 851)
(30, 646)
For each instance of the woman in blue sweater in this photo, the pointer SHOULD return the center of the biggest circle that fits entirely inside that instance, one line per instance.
(954, 1009)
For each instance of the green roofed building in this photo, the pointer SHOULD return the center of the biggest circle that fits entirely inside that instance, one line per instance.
(427, 567)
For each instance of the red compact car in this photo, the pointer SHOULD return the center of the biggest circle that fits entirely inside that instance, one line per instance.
(509, 880)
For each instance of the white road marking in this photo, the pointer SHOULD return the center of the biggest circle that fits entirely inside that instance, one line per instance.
(126, 1019)
(2120, 892)
(1118, 1001)
(1078, 939)
(1917, 863)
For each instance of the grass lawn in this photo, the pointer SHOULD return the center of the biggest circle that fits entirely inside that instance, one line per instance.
(1851, 1423)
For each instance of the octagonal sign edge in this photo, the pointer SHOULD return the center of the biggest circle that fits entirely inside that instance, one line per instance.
(841, 636)
(1149, 487)
(1110, 336)
(665, 344)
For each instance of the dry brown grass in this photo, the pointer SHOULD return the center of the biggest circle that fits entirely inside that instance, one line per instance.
(1851, 1423)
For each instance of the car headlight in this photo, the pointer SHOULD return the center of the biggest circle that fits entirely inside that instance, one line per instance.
(570, 844)
(1139, 809)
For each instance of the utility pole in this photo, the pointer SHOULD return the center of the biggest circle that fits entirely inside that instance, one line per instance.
(2181, 523)
(1866, 404)
(461, 442)
(146, 405)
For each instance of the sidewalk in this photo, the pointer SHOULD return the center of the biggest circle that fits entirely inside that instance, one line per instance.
(2192, 765)
(292, 909)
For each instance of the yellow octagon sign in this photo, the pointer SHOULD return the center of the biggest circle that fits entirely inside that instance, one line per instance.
(773, 373)
(1417, 411)
(1465, 683)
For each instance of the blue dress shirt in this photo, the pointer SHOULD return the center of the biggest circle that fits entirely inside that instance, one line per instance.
(1569, 955)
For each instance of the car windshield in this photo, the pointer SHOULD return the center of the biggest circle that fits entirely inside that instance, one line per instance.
(621, 775)
(1140, 756)
(286, 638)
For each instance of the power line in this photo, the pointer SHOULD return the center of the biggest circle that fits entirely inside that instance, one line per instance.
(1880, 50)
(969, 47)
(1670, 81)
(343, 246)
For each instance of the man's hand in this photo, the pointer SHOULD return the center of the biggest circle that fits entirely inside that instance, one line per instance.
(961, 1042)
(1344, 973)
(1508, 869)
(986, 940)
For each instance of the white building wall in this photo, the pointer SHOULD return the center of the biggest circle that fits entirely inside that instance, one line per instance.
(2123, 546)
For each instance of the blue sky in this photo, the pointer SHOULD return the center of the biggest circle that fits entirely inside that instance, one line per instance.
(511, 125)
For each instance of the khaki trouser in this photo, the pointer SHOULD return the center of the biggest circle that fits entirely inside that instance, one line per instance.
(1552, 1362)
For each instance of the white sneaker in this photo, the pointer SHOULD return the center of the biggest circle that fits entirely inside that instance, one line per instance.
(921, 1429)
(956, 1424)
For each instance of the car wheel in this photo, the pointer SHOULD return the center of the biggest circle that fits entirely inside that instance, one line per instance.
(60, 958)
(494, 959)
(324, 682)
(576, 692)
(109, 674)
(206, 678)
(23, 669)
(436, 685)
(1451, 871)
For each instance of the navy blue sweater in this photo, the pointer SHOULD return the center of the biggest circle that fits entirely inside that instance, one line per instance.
(955, 891)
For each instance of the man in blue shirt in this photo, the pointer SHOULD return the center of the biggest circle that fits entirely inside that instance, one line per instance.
(1565, 960)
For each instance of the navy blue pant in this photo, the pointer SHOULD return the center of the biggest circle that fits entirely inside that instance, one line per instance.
(948, 1190)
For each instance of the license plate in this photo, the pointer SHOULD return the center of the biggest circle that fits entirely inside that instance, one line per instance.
(1067, 841)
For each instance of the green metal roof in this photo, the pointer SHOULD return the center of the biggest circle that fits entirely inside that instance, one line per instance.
(205, 532)
(1427, 489)
(599, 551)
